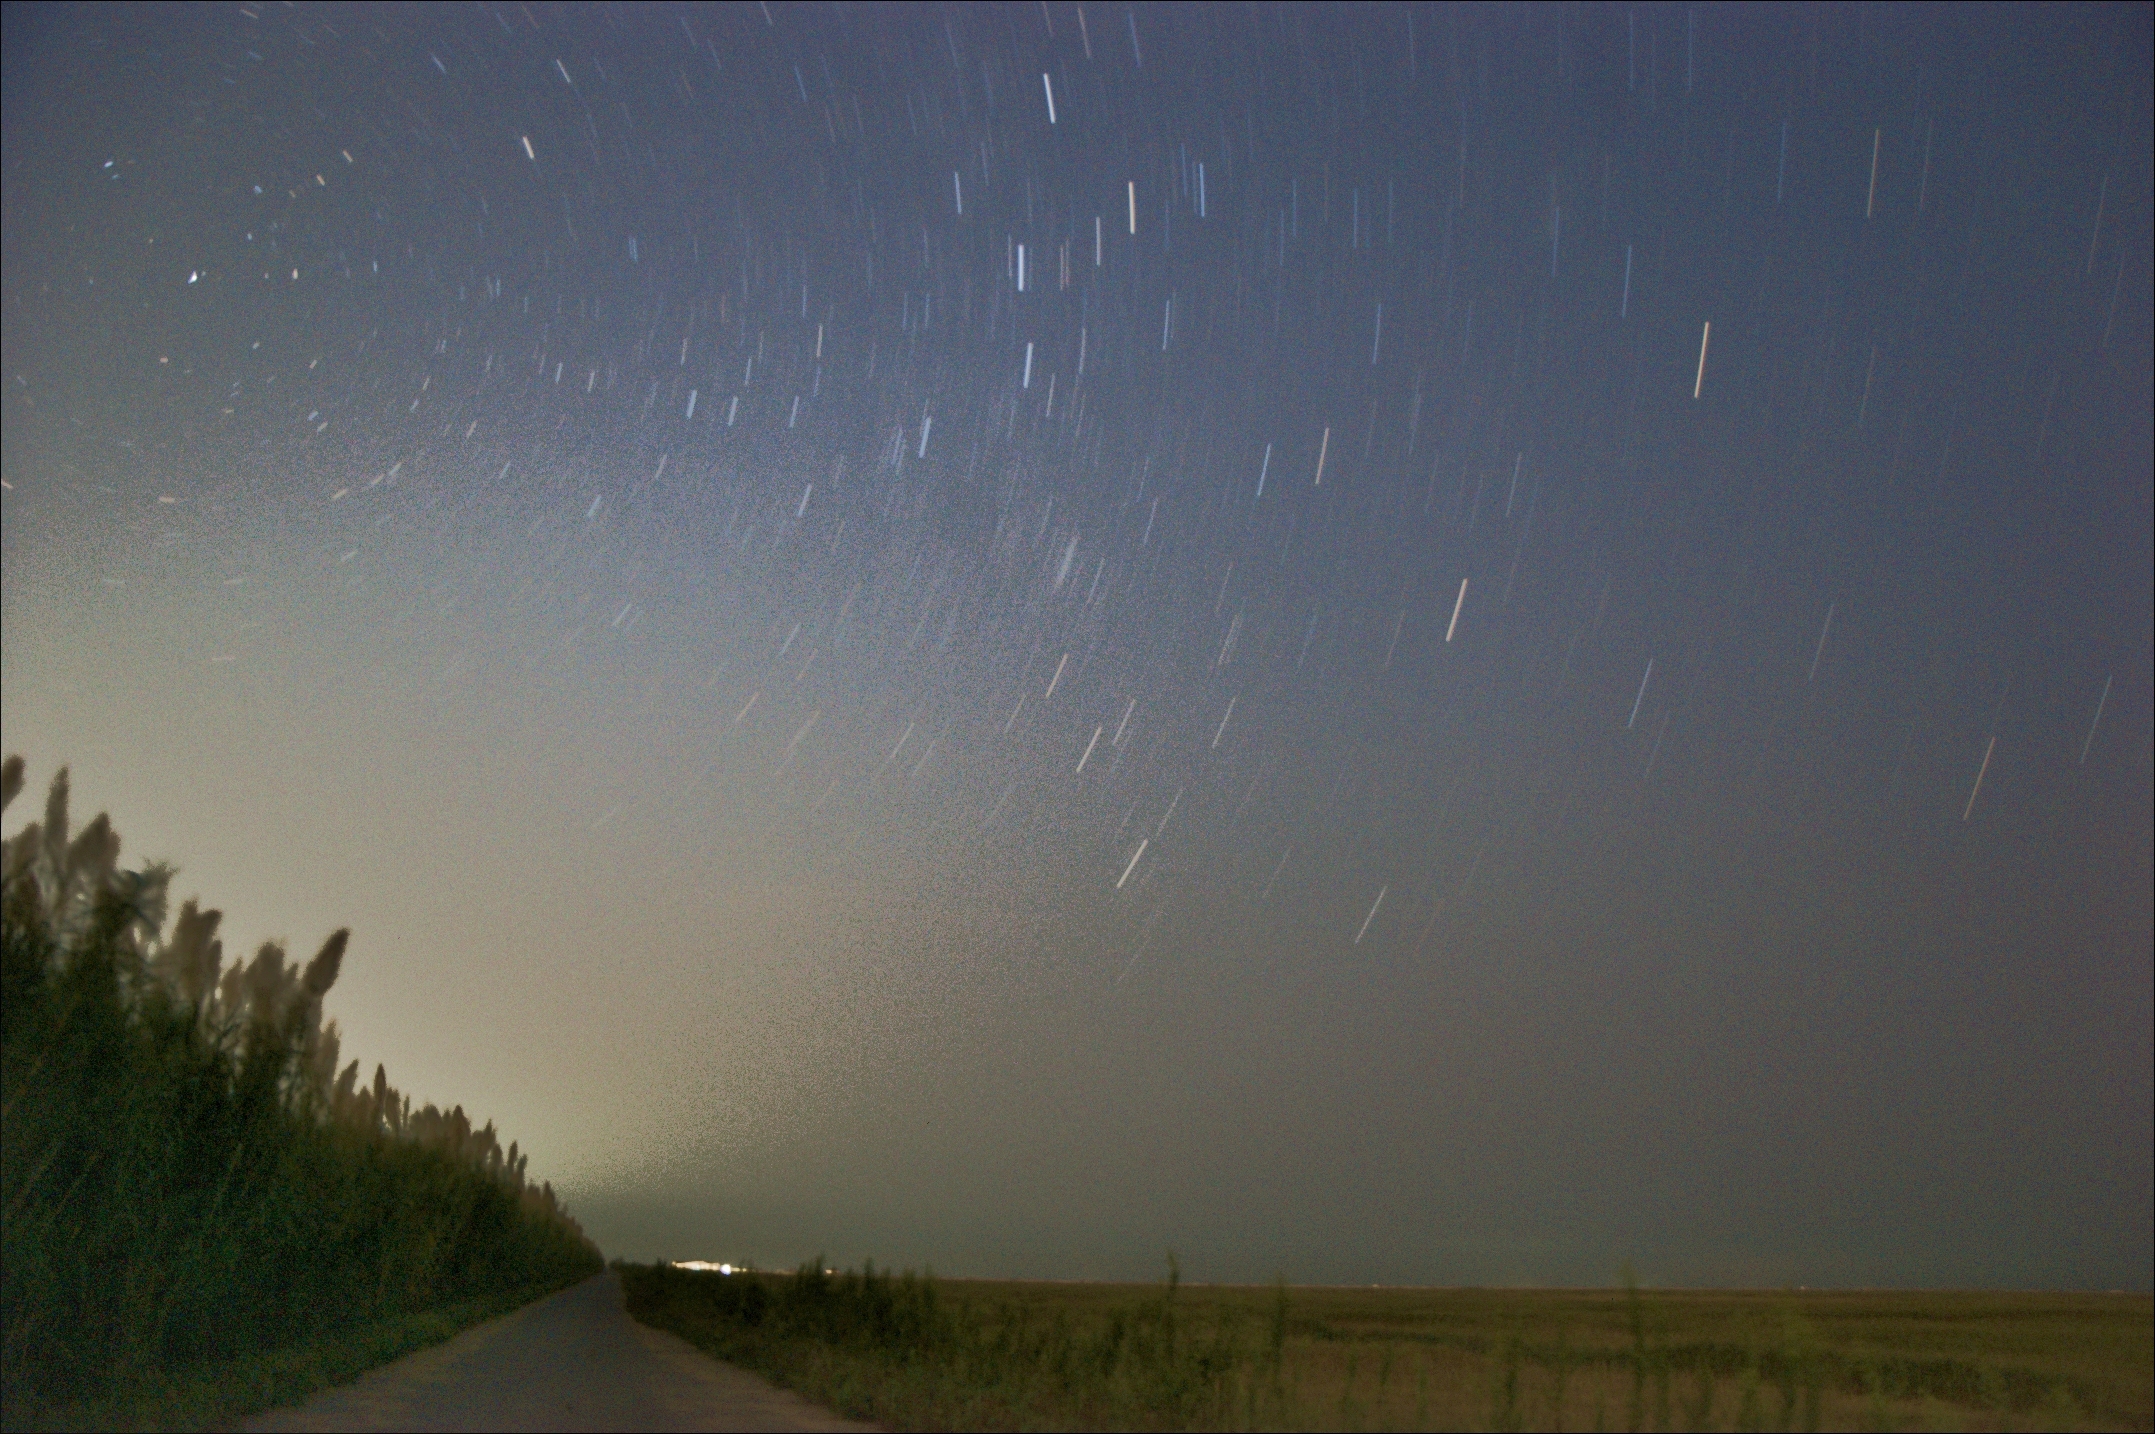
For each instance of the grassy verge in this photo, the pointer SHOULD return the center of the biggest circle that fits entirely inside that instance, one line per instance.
(897, 1350)
(920, 1354)
(193, 1202)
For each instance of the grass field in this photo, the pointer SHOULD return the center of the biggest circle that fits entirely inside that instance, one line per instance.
(994, 1355)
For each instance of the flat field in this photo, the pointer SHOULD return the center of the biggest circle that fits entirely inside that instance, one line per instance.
(1380, 1358)
(1026, 1355)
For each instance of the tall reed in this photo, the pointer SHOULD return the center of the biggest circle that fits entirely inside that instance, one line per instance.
(185, 1175)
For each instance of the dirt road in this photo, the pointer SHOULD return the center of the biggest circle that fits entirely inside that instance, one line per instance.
(574, 1360)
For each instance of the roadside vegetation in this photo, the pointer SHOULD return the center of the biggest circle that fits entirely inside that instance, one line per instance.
(916, 1353)
(203, 1214)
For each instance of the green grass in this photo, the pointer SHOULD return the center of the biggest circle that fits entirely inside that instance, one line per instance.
(900, 1351)
(919, 1353)
(194, 1212)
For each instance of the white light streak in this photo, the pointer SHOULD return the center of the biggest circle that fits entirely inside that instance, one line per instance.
(1821, 650)
(1979, 772)
(1642, 695)
(1372, 914)
(1458, 603)
(1142, 843)
(797, 736)
(903, 738)
(2098, 719)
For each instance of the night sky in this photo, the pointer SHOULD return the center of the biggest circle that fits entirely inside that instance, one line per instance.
(1417, 645)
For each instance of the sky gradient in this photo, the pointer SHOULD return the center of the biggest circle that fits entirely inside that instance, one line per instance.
(1411, 645)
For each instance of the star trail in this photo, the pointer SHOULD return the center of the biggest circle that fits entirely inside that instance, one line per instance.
(1420, 644)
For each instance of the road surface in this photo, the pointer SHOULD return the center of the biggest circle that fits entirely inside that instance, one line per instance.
(572, 1361)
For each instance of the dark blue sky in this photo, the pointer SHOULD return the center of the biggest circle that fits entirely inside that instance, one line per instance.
(1410, 644)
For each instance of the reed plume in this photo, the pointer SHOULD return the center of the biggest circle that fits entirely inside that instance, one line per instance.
(190, 961)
